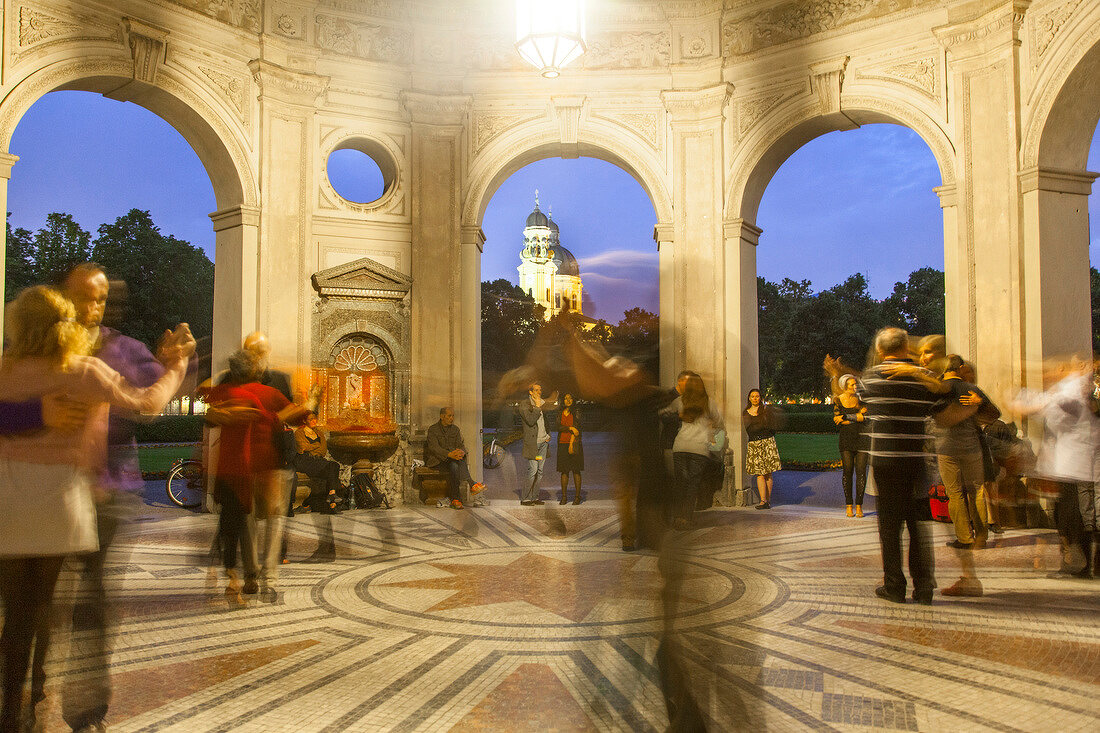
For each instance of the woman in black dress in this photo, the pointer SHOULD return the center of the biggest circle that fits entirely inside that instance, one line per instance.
(570, 450)
(848, 414)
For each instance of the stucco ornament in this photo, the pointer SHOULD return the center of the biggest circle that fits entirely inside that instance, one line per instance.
(636, 49)
(244, 14)
(365, 40)
(799, 19)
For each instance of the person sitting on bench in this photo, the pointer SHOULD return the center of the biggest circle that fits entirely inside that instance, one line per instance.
(446, 452)
(311, 460)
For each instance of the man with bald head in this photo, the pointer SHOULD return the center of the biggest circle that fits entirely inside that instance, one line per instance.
(899, 403)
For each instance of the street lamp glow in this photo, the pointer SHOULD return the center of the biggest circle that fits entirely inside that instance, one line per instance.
(550, 33)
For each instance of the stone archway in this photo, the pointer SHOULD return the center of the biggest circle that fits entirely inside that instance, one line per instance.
(219, 147)
(1054, 187)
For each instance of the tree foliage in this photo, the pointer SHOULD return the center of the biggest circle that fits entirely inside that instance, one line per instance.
(168, 281)
(510, 319)
(798, 327)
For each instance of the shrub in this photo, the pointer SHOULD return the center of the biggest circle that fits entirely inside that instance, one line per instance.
(171, 429)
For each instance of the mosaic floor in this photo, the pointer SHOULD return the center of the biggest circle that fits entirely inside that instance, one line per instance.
(532, 618)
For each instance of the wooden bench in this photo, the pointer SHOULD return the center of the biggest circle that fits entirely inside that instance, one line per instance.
(431, 484)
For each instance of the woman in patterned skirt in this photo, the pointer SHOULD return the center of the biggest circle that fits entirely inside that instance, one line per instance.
(761, 454)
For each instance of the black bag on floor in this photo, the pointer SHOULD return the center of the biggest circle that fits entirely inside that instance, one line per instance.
(367, 494)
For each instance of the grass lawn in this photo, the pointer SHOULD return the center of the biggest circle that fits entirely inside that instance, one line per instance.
(155, 458)
(808, 447)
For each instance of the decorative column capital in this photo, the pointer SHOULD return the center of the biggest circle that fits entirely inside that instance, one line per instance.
(1057, 180)
(445, 110)
(664, 233)
(827, 80)
(473, 235)
(276, 82)
(147, 48)
(235, 217)
(7, 160)
(949, 195)
(743, 230)
(697, 105)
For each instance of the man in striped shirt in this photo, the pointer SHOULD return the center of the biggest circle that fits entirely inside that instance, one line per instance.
(898, 406)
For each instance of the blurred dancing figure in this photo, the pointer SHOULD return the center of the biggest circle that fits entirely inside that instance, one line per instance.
(1067, 455)
(693, 450)
(761, 453)
(898, 404)
(46, 478)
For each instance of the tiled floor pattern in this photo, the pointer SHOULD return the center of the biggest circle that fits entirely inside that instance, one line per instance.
(517, 618)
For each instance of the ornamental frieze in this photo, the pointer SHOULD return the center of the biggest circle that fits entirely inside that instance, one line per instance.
(243, 14)
(370, 41)
(234, 90)
(628, 50)
(798, 19)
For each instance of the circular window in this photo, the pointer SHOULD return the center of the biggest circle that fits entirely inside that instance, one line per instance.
(360, 170)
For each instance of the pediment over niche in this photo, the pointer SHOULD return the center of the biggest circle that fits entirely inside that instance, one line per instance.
(363, 278)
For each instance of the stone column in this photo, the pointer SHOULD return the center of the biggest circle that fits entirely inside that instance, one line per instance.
(982, 261)
(236, 279)
(288, 104)
(698, 268)
(446, 271)
(957, 272)
(742, 341)
(468, 333)
(1056, 296)
(671, 346)
(7, 160)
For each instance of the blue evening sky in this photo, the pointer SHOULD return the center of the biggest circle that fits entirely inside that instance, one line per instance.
(858, 201)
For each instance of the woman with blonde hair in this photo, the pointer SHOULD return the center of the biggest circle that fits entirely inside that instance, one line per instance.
(45, 476)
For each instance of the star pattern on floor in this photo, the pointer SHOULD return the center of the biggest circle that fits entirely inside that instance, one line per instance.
(570, 589)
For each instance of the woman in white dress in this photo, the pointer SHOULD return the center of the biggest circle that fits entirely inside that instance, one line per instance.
(45, 476)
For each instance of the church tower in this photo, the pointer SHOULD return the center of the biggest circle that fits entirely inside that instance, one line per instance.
(548, 272)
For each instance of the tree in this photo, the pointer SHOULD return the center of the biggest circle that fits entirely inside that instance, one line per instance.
(510, 319)
(59, 246)
(776, 306)
(918, 304)
(1094, 288)
(169, 281)
(637, 337)
(20, 261)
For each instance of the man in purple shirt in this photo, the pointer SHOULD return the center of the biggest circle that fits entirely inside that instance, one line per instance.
(85, 701)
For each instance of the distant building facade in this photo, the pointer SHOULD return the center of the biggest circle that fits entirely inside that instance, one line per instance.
(548, 272)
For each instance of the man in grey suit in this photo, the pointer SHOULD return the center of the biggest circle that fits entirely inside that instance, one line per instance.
(536, 440)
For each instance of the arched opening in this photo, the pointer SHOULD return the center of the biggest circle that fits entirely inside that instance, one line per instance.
(852, 241)
(1056, 185)
(186, 151)
(585, 245)
(149, 230)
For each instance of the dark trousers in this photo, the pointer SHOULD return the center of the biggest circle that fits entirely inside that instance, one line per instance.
(319, 469)
(460, 474)
(854, 462)
(231, 524)
(899, 492)
(26, 586)
(691, 469)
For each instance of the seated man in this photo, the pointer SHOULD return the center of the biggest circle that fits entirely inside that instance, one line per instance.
(445, 451)
(311, 460)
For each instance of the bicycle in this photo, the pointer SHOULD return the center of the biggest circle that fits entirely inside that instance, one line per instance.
(186, 483)
(493, 454)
